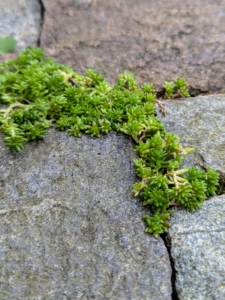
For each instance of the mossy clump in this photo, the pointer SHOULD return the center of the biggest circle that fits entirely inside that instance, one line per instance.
(36, 92)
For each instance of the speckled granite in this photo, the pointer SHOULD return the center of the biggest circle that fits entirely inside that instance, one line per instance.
(200, 123)
(69, 226)
(198, 250)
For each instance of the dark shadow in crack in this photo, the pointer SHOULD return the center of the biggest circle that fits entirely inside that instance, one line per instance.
(167, 241)
(42, 22)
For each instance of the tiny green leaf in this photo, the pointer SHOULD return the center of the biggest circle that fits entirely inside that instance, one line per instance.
(7, 45)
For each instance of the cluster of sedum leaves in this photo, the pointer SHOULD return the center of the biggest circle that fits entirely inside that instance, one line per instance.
(36, 92)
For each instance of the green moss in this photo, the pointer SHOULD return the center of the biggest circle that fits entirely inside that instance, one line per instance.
(37, 92)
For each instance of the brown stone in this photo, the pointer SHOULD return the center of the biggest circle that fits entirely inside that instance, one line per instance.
(156, 40)
(8, 56)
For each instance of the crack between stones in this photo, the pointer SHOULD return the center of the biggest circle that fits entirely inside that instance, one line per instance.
(42, 22)
(167, 241)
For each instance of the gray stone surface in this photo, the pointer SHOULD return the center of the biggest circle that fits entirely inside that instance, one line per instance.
(198, 249)
(156, 40)
(198, 238)
(69, 226)
(21, 19)
(200, 123)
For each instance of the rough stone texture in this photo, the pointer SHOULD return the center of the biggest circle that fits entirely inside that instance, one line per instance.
(157, 40)
(69, 226)
(21, 19)
(200, 123)
(198, 249)
(197, 238)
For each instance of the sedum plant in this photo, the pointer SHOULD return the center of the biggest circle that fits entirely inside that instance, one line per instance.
(36, 92)
(176, 89)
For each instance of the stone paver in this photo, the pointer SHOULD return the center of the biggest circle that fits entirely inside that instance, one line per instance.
(157, 40)
(198, 250)
(69, 226)
(200, 123)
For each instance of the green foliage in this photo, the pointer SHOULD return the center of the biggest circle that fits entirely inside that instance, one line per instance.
(178, 88)
(7, 45)
(36, 92)
(157, 224)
